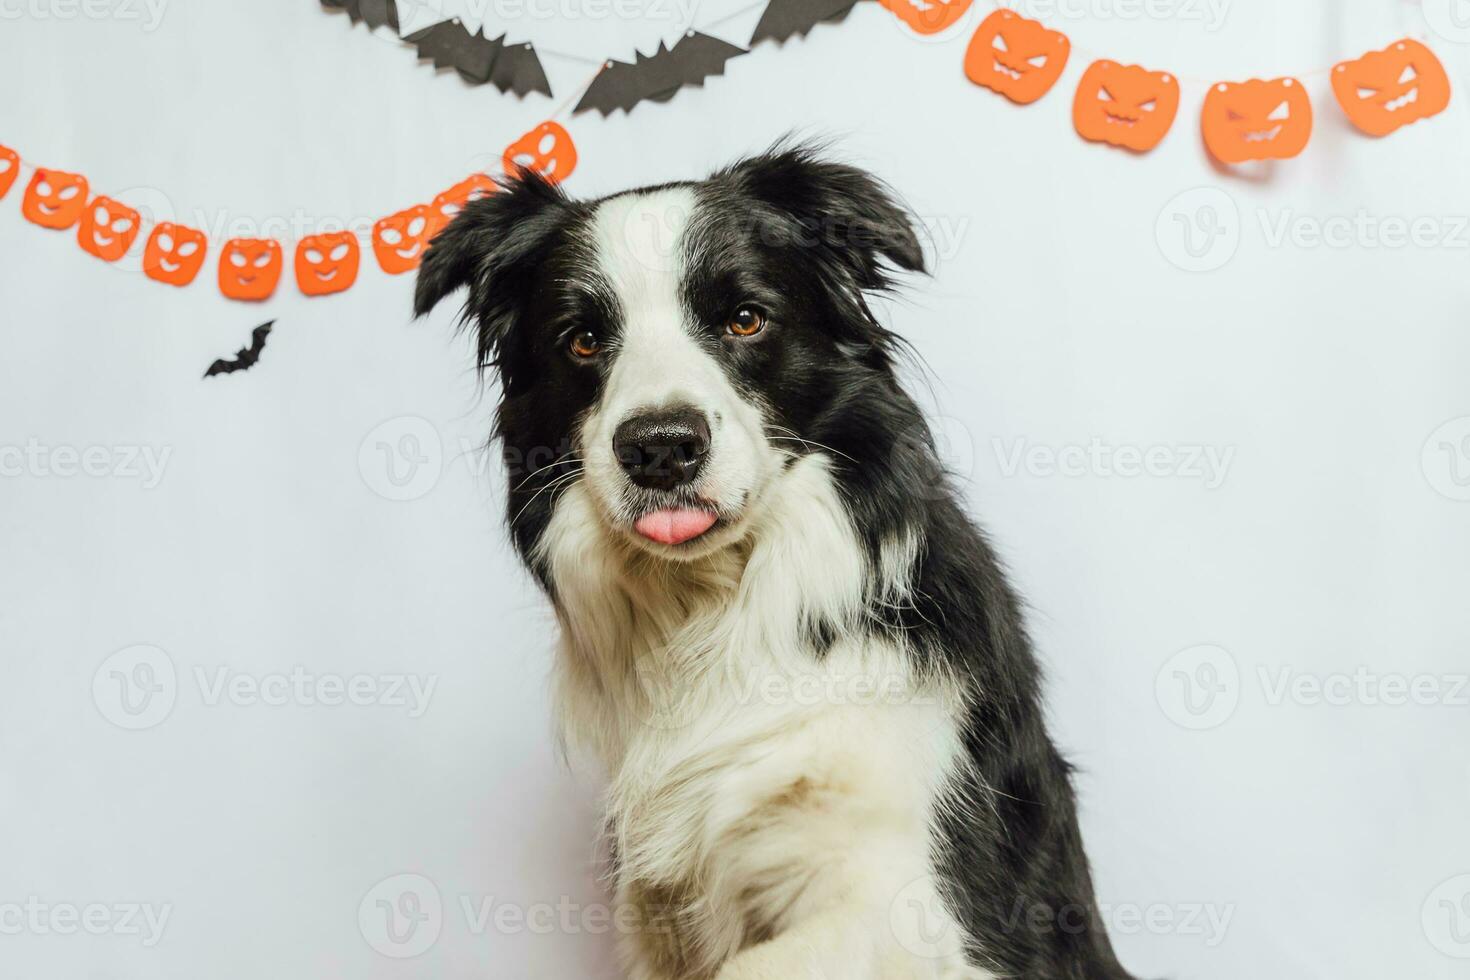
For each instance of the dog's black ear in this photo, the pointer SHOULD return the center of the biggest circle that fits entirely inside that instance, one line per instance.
(493, 246)
(847, 212)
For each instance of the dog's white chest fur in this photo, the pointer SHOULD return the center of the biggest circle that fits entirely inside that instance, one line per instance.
(756, 785)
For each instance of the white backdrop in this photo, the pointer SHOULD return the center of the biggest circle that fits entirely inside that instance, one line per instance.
(1237, 498)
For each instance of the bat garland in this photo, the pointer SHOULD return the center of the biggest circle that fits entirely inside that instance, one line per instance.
(245, 357)
(479, 59)
(658, 76)
(377, 13)
(785, 18)
(450, 44)
(517, 68)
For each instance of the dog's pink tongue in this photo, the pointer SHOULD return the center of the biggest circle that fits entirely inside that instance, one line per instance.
(674, 525)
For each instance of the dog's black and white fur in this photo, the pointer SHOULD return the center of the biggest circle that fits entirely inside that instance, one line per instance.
(820, 718)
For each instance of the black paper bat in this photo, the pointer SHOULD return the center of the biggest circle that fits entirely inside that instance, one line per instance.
(376, 12)
(517, 69)
(658, 76)
(245, 357)
(452, 45)
(783, 18)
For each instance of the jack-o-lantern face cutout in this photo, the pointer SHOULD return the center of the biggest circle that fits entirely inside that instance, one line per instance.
(250, 268)
(9, 169)
(327, 263)
(1124, 105)
(1016, 57)
(399, 240)
(108, 228)
(449, 204)
(1384, 90)
(548, 149)
(928, 16)
(1257, 120)
(174, 254)
(54, 199)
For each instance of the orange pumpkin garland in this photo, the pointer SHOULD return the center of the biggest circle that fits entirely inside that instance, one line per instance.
(54, 199)
(399, 240)
(9, 169)
(1256, 120)
(452, 201)
(108, 228)
(327, 263)
(174, 254)
(928, 16)
(548, 149)
(1384, 90)
(1019, 58)
(1125, 105)
(250, 268)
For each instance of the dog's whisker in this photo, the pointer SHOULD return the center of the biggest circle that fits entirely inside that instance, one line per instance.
(550, 487)
(562, 460)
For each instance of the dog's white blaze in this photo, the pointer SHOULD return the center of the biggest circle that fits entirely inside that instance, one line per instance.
(752, 782)
(658, 363)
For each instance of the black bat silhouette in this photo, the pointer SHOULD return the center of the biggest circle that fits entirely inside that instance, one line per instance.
(452, 45)
(245, 357)
(658, 76)
(783, 18)
(517, 69)
(376, 12)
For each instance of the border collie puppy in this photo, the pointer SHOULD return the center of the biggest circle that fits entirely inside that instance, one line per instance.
(793, 653)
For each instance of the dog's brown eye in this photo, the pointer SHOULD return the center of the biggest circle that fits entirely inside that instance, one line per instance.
(747, 322)
(585, 344)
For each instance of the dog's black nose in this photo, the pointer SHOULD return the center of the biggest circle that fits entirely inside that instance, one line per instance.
(664, 449)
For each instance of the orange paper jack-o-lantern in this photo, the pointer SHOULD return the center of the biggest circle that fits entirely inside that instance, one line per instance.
(399, 240)
(174, 254)
(548, 149)
(327, 263)
(928, 16)
(250, 268)
(1019, 58)
(54, 199)
(108, 228)
(9, 169)
(1384, 90)
(1124, 105)
(1256, 120)
(450, 203)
